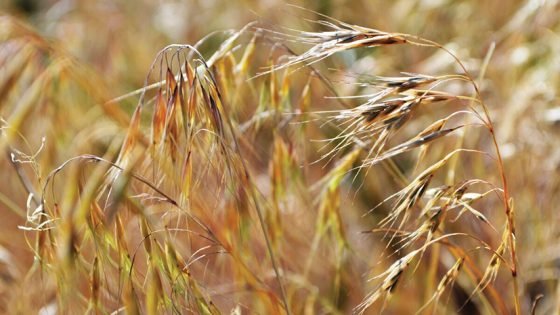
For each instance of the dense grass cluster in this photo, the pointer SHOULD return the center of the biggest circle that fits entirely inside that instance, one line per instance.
(271, 170)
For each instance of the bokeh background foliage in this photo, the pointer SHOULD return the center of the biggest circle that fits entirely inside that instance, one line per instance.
(216, 189)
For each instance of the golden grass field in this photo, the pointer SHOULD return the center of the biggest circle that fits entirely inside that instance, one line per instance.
(259, 157)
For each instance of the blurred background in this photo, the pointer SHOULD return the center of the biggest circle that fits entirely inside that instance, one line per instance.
(113, 44)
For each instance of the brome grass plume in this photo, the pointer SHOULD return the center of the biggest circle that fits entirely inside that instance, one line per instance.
(295, 164)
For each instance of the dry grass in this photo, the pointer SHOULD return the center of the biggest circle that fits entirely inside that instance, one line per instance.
(269, 170)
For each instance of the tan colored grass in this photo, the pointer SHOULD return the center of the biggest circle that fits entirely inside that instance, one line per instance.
(239, 183)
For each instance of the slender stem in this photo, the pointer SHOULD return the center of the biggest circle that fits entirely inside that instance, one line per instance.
(506, 195)
(258, 210)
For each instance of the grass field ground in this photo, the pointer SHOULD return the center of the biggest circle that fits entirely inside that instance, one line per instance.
(255, 157)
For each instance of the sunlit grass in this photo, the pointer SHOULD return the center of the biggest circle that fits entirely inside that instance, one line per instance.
(314, 167)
